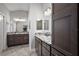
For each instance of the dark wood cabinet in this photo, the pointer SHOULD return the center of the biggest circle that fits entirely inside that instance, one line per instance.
(17, 39)
(55, 52)
(45, 52)
(64, 29)
(38, 46)
(45, 49)
(42, 48)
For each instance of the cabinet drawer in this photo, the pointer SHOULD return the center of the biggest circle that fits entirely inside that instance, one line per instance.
(55, 52)
(46, 45)
(45, 52)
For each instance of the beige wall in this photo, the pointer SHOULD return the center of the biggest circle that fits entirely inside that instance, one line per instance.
(35, 13)
(4, 26)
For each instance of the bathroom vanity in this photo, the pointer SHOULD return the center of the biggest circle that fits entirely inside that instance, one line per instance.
(43, 45)
(14, 39)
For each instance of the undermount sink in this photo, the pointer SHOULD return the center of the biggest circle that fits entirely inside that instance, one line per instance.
(47, 34)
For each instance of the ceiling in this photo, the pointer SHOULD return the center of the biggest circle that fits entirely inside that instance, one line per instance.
(17, 6)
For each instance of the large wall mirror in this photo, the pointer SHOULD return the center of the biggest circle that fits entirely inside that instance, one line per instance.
(46, 24)
(39, 25)
(43, 25)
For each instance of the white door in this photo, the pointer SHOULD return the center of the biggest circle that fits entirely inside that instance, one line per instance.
(1, 33)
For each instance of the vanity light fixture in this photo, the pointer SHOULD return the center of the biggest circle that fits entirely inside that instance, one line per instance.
(17, 19)
(38, 19)
(47, 12)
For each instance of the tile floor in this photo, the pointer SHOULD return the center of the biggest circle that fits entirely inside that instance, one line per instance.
(21, 50)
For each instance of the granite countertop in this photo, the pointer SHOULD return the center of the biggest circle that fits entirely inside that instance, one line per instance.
(44, 38)
(10, 33)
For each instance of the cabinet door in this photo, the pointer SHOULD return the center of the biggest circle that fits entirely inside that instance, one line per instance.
(65, 28)
(39, 49)
(17, 39)
(23, 39)
(45, 52)
(59, 7)
(45, 49)
(38, 46)
(10, 40)
(26, 38)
